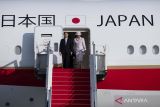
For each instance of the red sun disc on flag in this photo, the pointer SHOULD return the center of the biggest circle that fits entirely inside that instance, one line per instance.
(75, 20)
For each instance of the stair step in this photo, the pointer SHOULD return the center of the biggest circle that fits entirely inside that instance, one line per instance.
(70, 91)
(70, 70)
(71, 82)
(72, 74)
(71, 101)
(64, 78)
(70, 87)
(65, 96)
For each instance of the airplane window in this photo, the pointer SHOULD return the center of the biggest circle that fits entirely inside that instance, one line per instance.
(130, 49)
(56, 47)
(18, 50)
(143, 49)
(155, 49)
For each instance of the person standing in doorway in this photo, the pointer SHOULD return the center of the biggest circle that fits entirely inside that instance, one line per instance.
(79, 48)
(66, 50)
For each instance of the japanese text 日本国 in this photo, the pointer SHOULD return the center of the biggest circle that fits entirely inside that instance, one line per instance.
(27, 20)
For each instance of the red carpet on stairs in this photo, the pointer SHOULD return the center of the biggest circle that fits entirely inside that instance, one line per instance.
(131, 79)
(71, 88)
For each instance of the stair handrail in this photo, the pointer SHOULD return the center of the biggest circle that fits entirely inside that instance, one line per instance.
(49, 74)
(93, 79)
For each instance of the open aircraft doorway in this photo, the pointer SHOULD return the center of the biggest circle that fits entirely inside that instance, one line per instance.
(85, 33)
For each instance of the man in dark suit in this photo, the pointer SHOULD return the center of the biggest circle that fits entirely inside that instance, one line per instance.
(66, 50)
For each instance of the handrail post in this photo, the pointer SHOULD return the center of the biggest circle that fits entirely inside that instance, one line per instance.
(49, 74)
(93, 78)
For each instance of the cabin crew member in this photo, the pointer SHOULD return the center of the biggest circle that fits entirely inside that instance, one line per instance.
(79, 48)
(66, 50)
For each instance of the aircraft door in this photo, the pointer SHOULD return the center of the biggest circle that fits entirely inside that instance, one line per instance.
(43, 36)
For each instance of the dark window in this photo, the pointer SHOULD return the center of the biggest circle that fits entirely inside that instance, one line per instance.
(130, 49)
(18, 50)
(143, 49)
(155, 49)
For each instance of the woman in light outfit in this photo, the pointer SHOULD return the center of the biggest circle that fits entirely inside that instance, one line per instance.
(79, 48)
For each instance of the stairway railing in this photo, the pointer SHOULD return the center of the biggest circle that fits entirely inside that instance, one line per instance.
(93, 81)
(49, 74)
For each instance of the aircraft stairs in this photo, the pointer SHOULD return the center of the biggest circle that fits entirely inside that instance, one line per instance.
(70, 88)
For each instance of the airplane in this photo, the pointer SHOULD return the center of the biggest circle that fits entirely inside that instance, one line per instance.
(121, 65)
